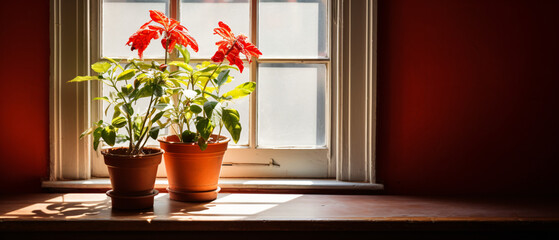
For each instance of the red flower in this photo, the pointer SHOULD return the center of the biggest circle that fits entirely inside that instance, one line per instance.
(232, 46)
(171, 31)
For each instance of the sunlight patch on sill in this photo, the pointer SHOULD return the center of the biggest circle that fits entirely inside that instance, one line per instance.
(231, 183)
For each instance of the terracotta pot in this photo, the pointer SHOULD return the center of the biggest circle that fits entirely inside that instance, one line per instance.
(132, 177)
(192, 173)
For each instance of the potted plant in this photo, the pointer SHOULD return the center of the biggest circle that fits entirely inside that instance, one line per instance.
(193, 155)
(132, 168)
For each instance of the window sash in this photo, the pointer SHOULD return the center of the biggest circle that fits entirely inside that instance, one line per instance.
(353, 115)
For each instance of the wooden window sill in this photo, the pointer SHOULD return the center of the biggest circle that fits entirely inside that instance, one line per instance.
(238, 214)
(230, 185)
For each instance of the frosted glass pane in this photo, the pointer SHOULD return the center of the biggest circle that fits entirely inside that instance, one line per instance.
(201, 17)
(293, 29)
(291, 105)
(121, 19)
(242, 105)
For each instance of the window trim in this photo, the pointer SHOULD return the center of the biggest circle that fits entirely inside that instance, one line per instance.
(353, 117)
(354, 91)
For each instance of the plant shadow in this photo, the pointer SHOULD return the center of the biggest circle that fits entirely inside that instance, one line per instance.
(61, 210)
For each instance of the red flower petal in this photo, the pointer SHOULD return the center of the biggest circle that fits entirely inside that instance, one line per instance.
(159, 17)
(225, 26)
(141, 39)
(171, 30)
(218, 56)
(232, 47)
(171, 43)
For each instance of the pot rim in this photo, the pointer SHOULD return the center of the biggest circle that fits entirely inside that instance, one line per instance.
(225, 139)
(106, 152)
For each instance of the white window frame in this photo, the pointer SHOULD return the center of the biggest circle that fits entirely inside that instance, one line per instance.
(351, 151)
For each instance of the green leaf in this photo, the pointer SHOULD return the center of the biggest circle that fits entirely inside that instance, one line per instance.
(96, 136)
(127, 108)
(210, 94)
(158, 91)
(182, 65)
(154, 132)
(137, 126)
(208, 68)
(109, 135)
(126, 90)
(187, 136)
(222, 78)
(102, 98)
(195, 109)
(200, 100)
(87, 132)
(107, 109)
(231, 120)
(163, 106)
(157, 116)
(165, 99)
(101, 67)
(184, 52)
(84, 78)
(242, 90)
(115, 62)
(144, 92)
(205, 127)
(155, 64)
(119, 122)
(117, 111)
(222, 67)
(137, 83)
(213, 111)
(202, 143)
(128, 74)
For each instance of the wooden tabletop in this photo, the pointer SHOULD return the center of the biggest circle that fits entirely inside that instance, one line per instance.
(279, 212)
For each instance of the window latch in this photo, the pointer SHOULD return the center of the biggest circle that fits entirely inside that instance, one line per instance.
(272, 163)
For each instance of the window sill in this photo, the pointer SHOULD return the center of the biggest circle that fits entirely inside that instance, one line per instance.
(256, 216)
(233, 185)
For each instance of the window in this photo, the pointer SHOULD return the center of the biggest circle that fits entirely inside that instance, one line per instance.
(302, 115)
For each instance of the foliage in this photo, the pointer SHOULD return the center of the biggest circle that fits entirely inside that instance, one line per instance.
(200, 107)
(188, 98)
(141, 80)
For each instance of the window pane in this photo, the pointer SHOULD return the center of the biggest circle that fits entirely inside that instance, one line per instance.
(201, 17)
(123, 18)
(291, 105)
(242, 105)
(293, 29)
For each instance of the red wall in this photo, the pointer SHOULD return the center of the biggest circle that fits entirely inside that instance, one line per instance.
(24, 93)
(468, 96)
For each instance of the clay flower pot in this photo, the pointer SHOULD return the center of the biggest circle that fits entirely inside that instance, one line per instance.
(132, 177)
(192, 173)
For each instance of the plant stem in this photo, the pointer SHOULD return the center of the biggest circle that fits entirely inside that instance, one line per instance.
(219, 133)
(136, 148)
(166, 49)
(128, 117)
(210, 78)
(225, 56)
